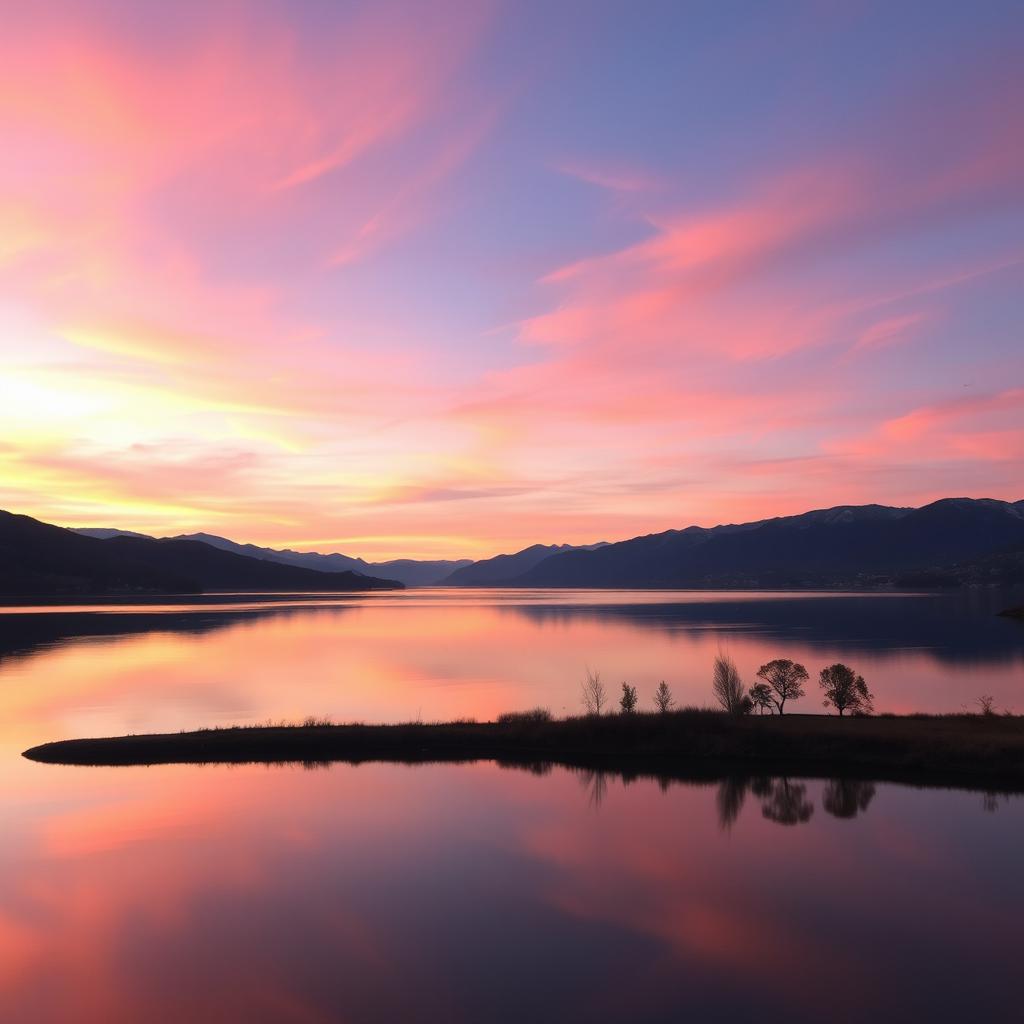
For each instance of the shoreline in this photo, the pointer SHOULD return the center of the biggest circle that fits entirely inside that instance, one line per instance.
(972, 751)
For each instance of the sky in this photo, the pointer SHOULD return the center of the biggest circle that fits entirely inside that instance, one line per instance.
(449, 279)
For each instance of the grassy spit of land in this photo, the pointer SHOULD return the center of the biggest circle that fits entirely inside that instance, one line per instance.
(970, 750)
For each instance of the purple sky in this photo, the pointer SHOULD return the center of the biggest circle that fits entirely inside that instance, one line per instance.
(451, 278)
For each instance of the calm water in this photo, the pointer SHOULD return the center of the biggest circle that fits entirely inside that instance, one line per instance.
(479, 893)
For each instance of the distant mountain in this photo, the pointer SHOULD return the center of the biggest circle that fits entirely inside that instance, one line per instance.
(216, 569)
(419, 574)
(949, 542)
(409, 571)
(37, 558)
(103, 534)
(406, 570)
(490, 571)
(842, 546)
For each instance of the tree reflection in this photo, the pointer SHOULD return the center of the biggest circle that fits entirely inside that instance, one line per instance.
(732, 793)
(990, 801)
(846, 798)
(785, 802)
(595, 785)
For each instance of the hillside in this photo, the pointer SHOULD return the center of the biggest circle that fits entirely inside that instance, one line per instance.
(490, 571)
(408, 571)
(847, 545)
(214, 569)
(39, 559)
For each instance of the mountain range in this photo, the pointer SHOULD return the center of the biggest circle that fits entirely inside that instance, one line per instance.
(489, 572)
(39, 559)
(411, 572)
(948, 542)
(951, 540)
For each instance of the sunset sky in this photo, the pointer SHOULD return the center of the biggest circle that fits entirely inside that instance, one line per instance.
(450, 278)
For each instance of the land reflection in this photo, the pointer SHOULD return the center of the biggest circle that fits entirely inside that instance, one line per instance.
(956, 628)
(959, 627)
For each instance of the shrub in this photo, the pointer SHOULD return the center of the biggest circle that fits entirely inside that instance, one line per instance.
(312, 722)
(535, 716)
(760, 697)
(629, 700)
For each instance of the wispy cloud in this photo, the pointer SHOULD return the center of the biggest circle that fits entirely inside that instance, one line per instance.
(251, 259)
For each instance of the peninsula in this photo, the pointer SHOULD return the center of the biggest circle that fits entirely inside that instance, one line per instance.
(970, 750)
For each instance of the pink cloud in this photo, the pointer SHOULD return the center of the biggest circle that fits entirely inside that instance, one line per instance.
(890, 331)
(986, 427)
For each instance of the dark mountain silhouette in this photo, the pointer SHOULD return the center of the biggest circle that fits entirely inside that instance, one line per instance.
(37, 558)
(847, 545)
(411, 572)
(490, 571)
(215, 569)
(949, 542)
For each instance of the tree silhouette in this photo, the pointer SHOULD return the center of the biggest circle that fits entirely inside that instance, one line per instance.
(845, 690)
(786, 679)
(663, 697)
(846, 798)
(629, 700)
(592, 693)
(727, 686)
(760, 695)
(786, 803)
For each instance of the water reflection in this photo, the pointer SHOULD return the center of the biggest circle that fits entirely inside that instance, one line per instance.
(278, 894)
(958, 628)
(846, 798)
(23, 634)
(783, 800)
(301, 893)
(439, 656)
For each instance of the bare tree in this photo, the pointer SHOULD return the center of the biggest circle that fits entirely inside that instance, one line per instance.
(987, 703)
(663, 697)
(845, 690)
(629, 700)
(761, 698)
(593, 696)
(786, 679)
(728, 687)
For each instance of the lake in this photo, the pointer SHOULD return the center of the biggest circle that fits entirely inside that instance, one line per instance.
(476, 892)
